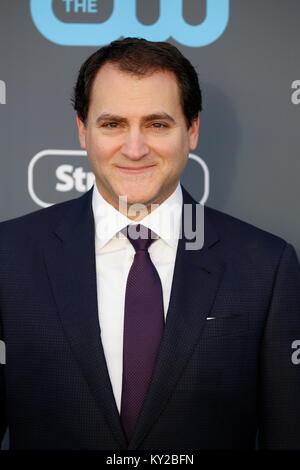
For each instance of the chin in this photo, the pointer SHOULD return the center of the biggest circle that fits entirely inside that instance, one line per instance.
(138, 195)
(138, 200)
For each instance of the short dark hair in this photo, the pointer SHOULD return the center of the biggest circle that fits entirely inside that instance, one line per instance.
(140, 57)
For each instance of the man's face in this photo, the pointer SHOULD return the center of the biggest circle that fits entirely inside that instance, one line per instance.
(136, 135)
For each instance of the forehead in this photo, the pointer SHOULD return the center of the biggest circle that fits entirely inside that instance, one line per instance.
(125, 91)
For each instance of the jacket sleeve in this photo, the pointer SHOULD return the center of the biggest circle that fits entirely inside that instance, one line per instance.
(279, 381)
(3, 419)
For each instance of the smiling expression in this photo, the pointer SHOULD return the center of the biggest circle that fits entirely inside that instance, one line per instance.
(136, 135)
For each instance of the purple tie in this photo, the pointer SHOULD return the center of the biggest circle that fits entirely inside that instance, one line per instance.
(143, 326)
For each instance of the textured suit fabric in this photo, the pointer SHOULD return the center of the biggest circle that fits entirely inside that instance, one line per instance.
(215, 382)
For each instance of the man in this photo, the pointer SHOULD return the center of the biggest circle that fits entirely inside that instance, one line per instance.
(117, 335)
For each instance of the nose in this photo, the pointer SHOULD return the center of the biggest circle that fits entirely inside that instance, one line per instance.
(134, 145)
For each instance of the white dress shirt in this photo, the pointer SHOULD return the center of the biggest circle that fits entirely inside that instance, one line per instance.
(114, 257)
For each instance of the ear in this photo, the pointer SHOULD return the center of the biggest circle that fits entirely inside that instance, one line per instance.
(194, 133)
(81, 133)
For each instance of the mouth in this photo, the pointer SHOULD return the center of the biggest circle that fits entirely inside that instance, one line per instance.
(135, 170)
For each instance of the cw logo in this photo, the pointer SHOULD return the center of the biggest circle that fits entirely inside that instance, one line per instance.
(123, 22)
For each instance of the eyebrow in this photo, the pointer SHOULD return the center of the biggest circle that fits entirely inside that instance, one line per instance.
(145, 119)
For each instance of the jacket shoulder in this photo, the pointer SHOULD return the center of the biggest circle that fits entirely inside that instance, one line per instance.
(35, 225)
(242, 235)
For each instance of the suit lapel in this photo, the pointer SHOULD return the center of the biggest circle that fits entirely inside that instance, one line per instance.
(70, 261)
(196, 279)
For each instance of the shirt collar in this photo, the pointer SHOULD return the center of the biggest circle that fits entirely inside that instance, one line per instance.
(164, 220)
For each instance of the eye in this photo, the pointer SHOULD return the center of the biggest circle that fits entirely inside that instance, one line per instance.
(158, 125)
(110, 125)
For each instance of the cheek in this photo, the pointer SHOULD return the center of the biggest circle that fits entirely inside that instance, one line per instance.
(177, 154)
(100, 151)
(169, 151)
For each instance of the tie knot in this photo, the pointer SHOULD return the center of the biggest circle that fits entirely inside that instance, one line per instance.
(140, 236)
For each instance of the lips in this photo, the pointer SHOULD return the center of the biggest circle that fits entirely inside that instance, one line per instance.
(135, 170)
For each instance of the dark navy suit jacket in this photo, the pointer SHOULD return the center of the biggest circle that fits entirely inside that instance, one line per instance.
(215, 383)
